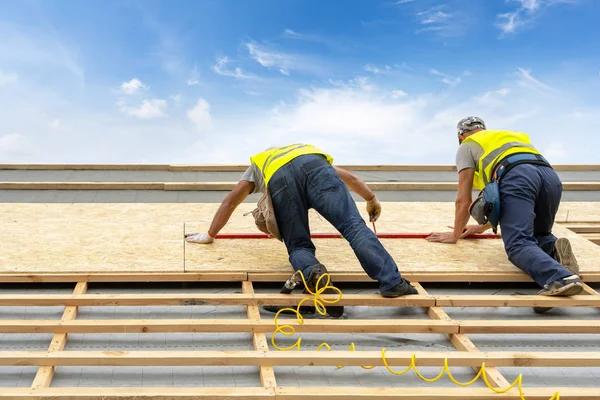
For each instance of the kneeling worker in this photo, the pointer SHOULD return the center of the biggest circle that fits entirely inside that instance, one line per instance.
(529, 193)
(299, 177)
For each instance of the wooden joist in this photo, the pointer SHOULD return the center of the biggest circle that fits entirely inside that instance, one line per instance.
(237, 325)
(44, 376)
(594, 238)
(227, 186)
(315, 326)
(515, 301)
(291, 393)
(130, 277)
(207, 299)
(237, 276)
(300, 358)
(583, 227)
(267, 374)
(242, 167)
(293, 299)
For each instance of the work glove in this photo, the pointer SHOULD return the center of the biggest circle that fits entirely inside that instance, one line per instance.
(374, 209)
(203, 238)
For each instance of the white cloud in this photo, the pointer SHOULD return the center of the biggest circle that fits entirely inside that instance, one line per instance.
(175, 97)
(133, 86)
(528, 81)
(200, 115)
(376, 70)
(450, 80)
(7, 78)
(269, 59)
(282, 61)
(525, 13)
(292, 34)
(433, 16)
(372, 68)
(220, 68)
(438, 20)
(194, 78)
(398, 94)
(503, 91)
(13, 144)
(403, 1)
(149, 109)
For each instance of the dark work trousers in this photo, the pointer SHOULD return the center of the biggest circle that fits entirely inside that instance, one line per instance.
(309, 181)
(529, 199)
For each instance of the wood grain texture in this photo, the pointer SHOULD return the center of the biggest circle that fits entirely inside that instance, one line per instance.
(122, 238)
(298, 358)
(292, 393)
(44, 376)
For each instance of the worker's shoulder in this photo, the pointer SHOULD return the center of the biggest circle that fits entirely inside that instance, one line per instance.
(468, 147)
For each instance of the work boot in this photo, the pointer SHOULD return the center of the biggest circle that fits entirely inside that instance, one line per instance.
(304, 310)
(315, 273)
(569, 286)
(401, 289)
(563, 254)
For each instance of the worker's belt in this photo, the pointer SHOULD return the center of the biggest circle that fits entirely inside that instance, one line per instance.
(486, 207)
(511, 161)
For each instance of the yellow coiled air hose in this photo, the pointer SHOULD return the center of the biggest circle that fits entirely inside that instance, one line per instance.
(319, 304)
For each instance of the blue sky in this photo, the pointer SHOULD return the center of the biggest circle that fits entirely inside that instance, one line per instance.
(369, 81)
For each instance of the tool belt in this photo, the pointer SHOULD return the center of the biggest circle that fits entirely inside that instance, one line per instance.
(264, 217)
(486, 207)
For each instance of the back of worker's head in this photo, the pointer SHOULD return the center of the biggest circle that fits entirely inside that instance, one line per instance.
(467, 125)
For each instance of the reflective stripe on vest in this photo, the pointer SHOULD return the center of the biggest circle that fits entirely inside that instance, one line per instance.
(269, 161)
(496, 145)
(274, 157)
(489, 159)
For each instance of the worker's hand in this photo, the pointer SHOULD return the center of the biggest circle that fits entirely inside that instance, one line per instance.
(374, 209)
(442, 237)
(203, 238)
(473, 230)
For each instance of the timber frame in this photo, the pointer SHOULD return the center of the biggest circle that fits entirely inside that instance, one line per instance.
(457, 331)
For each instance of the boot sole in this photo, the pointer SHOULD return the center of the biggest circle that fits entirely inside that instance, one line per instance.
(571, 289)
(565, 255)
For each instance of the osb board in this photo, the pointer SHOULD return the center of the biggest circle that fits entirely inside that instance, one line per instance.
(149, 237)
(579, 212)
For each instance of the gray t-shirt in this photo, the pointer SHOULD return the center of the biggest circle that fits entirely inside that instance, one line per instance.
(253, 174)
(468, 156)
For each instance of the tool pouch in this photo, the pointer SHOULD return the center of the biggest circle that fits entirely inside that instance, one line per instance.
(264, 217)
(486, 207)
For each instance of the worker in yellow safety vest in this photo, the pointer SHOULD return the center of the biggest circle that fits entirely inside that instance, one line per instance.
(521, 193)
(297, 178)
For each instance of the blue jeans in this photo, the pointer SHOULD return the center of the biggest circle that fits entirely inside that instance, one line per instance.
(310, 182)
(529, 199)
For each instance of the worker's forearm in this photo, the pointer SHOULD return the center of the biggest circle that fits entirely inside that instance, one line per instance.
(461, 218)
(221, 217)
(360, 188)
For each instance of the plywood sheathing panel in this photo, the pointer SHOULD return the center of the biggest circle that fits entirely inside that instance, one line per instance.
(579, 212)
(149, 237)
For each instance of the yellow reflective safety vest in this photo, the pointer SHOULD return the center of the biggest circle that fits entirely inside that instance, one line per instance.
(496, 145)
(269, 161)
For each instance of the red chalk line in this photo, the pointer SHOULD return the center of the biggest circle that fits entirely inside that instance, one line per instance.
(337, 236)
